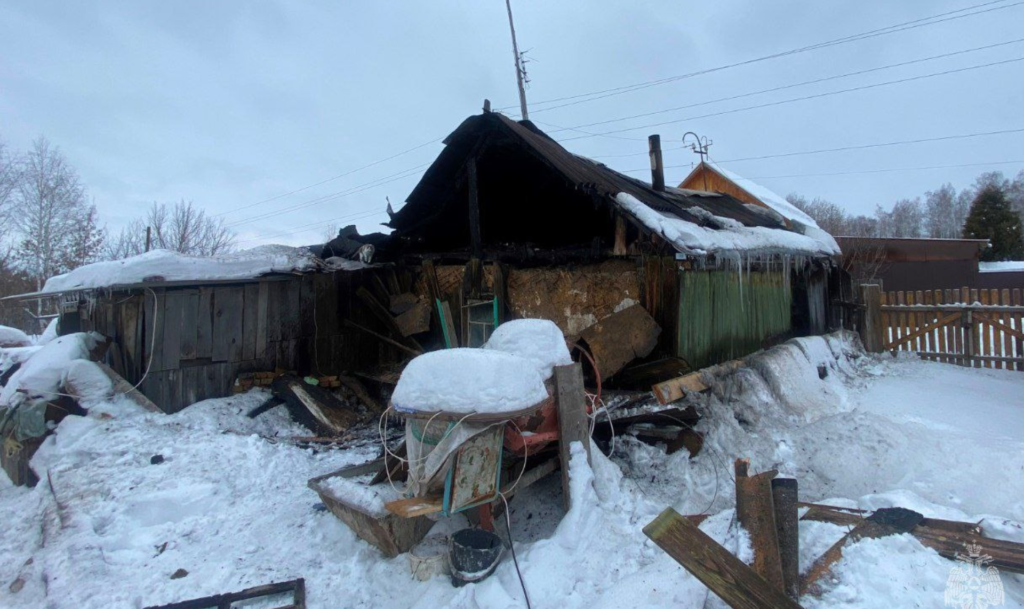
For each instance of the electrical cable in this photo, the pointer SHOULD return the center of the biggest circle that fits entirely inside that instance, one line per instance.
(789, 86)
(337, 177)
(512, 547)
(892, 29)
(942, 138)
(803, 98)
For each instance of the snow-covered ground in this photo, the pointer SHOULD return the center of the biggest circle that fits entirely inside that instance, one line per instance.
(107, 527)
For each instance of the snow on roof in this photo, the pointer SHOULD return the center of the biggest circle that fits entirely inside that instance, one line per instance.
(732, 237)
(538, 340)
(165, 265)
(767, 196)
(469, 381)
(1011, 266)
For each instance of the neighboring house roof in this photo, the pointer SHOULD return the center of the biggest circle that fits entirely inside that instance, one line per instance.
(753, 193)
(903, 249)
(694, 222)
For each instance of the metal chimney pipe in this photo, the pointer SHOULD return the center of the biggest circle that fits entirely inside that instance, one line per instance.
(657, 167)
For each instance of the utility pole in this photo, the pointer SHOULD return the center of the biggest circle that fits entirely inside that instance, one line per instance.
(149, 237)
(520, 71)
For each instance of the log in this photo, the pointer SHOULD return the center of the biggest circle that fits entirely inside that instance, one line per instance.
(756, 514)
(787, 527)
(620, 338)
(884, 522)
(727, 576)
(677, 388)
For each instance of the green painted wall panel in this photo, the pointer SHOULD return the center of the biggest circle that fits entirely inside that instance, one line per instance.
(726, 314)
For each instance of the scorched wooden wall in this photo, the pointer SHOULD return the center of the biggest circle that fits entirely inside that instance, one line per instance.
(206, 335)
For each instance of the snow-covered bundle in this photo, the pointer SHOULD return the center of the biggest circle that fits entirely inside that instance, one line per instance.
(13, 337)
(469, 381)
(39, 380)
(538, 340)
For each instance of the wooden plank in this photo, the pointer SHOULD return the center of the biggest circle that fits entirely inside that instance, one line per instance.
(189, 322)
(155, 333)
(204, 326)
(262, 307)
(926, 344)
(1018, 324)
(131, 348)
(381, 313)
(227, 324)
(755, 512)
(873, 331)
(250, 306)
(727, 576)
(451, 338)
(903, 323)
(986, 330)
(307, 306)
(289, 309)
(940, 335)
(1007, 347)
(675, 389)
(174, 309)
(882, 523)
(883, 299)
(909, 338)
(415, 320)
(787, 528)
(415, 506)
(573, 423)
(997, 335)
(381, 337)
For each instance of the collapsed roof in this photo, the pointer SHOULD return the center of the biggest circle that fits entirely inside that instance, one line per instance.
(533, 191)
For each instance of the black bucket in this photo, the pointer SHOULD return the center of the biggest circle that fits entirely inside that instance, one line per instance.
(473, 555)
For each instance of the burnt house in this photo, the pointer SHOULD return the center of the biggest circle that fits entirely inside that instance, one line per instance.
(508, 223)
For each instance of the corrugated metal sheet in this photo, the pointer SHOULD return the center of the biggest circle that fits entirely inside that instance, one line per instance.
(727, 314)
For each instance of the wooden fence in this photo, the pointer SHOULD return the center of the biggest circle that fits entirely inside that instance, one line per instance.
(969, 327)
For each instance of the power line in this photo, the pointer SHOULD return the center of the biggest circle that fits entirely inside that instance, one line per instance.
(887, 170)
(899, 27)
(792, 86)
(806, 97)
(847, 148)
(337, 177)
(335, 196)
(869, 171)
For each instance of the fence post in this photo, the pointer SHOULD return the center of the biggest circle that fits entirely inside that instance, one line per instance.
(871, 331)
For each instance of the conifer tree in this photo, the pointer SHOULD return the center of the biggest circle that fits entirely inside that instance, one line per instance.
(992, 217)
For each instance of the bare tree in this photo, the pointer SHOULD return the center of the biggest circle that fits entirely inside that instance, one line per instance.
(862, 226)
(942, 217)
(830, 217)
(330, 231)
(50, 208)
(9, 176)
(904, 220)
(182, 228)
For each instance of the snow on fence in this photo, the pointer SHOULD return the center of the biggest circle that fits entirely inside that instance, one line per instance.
(969, 327)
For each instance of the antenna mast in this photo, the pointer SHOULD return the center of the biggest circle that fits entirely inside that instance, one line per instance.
(520, 71)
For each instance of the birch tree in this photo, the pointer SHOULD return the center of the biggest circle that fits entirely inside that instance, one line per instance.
(56, 225)
(183, 228)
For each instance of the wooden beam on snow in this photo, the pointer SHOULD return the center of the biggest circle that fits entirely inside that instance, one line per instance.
(573, 423)
(756, 514)
(677, 388)
(727, 576)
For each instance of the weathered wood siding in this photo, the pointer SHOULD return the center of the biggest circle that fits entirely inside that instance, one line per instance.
(203, 337)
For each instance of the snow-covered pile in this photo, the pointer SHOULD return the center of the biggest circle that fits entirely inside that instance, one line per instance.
(49, 333)
(232, 509)
(41, 375)
(165, 265)
(690, 238)
(16, 355)
(13, 337)
(465, 381)
(538, 340)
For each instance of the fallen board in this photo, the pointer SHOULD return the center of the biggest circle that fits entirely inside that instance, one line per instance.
(727, 576)
(572, 420)
(297, 588)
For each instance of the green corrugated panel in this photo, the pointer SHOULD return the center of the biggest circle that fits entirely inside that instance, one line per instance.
(725, 314)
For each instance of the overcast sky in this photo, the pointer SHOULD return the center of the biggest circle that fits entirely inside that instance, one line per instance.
(232, 104)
